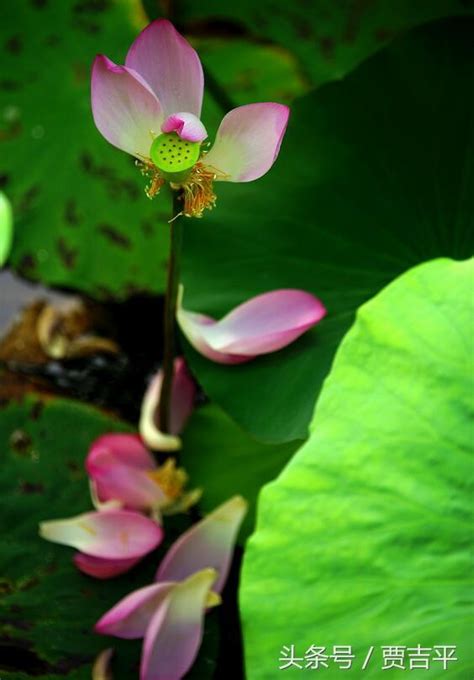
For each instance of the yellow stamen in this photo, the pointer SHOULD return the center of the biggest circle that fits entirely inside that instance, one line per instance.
(198, 191)
(148, 169)
(170, 478)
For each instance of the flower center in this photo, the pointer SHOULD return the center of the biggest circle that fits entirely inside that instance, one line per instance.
(174, 156)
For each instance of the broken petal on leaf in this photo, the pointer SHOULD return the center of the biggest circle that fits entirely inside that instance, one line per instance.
(263, 324)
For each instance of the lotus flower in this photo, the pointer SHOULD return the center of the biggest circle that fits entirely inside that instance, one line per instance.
(261, 325)
(151, 109)
(169, 614)
(182, 403)
(110, 542)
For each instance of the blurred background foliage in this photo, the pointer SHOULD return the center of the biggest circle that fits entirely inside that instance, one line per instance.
(373, 178)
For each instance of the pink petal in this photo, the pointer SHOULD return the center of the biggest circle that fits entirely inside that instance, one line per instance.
(261, 325)
(182, 404)
(98, 567)
(175, 632)
(125, 109)
(186, 125)
(130, 617)
(119, 464)
(114, 534)
(170, 66)
(209, 543)
(248, 141)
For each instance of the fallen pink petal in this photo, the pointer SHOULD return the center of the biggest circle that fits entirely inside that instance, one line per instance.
(209, 543)
(103, 568)
(183, 395)
(122, 469)
(113, 534)
(151, 107)
(263, 324)
(174, 634)
(130, 617)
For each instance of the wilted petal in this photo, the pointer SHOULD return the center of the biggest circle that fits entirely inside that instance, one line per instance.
(125, 109)
(101, 670)
(186, 125)
(175, 632)
(248, 141)
(209, 543)
(119, 465)
(115, 534)
(102, 568)
(182, 403)
(170, 66)
(261, 325)
(130, 617)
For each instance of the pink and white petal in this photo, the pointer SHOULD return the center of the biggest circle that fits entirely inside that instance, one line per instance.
(126, 448)
(99, 567)
(248, 141)
(266, 322)
(118, 465)
(209, 543)
(175, 632)
(182, 404)
(186, 125)
(170, 66)
(125, 109)
(133, 488)
(115, 534)
(263, 324)
(196, 328)
(130, 617)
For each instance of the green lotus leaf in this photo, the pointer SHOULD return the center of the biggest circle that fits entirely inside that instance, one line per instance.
(365, 537)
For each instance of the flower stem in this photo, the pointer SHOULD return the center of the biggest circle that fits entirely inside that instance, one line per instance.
(176, 233)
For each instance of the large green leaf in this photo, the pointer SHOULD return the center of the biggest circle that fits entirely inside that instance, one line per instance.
(364, 539)
(329, 38)
(373, 177)
(224, 460)
(82, 218)
(47, 608)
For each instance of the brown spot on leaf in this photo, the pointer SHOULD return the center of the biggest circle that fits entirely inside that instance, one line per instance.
(14, 45)
(4, 179)
(39, 4)
(31, 487)
(114, 185)
(27, 199)
(71, 214)
(67, 254)
(115, 236)
(21, 442)
(326, 44)
(9, 85)
(36, 410)
(27, 264)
